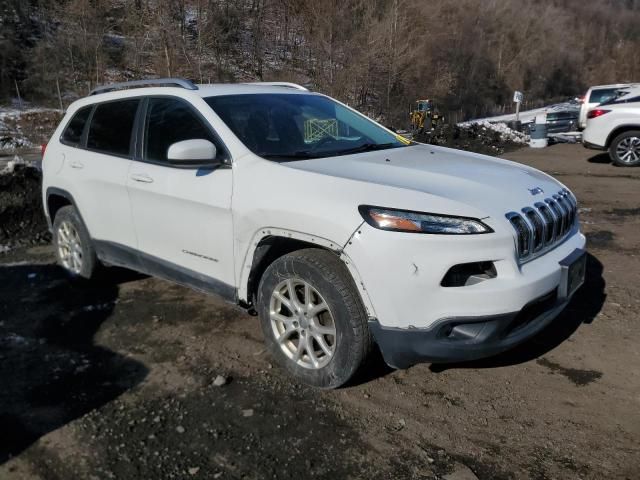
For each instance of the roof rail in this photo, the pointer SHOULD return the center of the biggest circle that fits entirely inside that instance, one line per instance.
(159, 82)
(279, 84)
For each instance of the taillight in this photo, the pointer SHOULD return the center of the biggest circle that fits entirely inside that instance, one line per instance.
(598, 112)
(43, 148)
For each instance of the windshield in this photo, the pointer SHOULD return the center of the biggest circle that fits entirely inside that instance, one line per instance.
(285, 126)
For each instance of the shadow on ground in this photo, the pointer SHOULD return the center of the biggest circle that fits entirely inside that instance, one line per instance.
(583, 308)
(602, 157)
(50, 369)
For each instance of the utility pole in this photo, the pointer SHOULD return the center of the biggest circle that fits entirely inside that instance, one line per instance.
(18, 92)
(59, 96)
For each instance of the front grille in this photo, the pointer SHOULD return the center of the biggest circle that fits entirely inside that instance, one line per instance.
(545, 224)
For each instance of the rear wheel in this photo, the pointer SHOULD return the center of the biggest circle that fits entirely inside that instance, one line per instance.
(312, 318)
(625, 149)
(74, 250)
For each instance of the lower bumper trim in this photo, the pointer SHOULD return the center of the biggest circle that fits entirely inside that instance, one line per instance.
(465, 338)
(593, 146)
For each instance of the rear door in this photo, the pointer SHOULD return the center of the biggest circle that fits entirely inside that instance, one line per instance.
(182, 215)
(97, 167)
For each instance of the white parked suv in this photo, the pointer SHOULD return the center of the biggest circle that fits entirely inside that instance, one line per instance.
(615, 126)
(597, 95)
(339, 233)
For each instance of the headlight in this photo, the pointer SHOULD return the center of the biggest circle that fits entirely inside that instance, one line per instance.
(419, 222)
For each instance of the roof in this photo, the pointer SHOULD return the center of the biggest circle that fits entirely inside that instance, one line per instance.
(614, 85)
(184, 88)
(189, 85)
(215, 89)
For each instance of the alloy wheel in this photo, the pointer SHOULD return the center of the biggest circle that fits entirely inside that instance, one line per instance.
(628, 150)
(69, 247)
(302, 323)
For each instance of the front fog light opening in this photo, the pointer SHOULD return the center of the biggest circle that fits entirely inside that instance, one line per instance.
(466, 274)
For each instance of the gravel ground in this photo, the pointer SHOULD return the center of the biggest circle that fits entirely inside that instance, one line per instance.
(131, 377)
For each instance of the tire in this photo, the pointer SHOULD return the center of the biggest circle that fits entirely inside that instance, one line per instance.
(630, 142)
(72, 243)
(328, 283)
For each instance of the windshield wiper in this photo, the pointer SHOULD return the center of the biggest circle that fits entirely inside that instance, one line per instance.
(308, 154)
(366, 147)
(304, 155)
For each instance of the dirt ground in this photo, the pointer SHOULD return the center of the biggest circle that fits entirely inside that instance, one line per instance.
(115, 378)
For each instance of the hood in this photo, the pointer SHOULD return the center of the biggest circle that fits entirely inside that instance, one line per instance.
(488, 184)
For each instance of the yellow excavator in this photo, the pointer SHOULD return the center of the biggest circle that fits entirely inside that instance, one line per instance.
(424, 116)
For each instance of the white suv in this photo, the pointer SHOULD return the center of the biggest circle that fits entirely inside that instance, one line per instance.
(338, 232)
(597, 95)
(615, 126)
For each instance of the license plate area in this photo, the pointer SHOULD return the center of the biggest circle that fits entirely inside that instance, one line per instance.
(574, 268)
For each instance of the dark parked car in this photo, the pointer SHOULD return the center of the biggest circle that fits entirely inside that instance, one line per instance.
(561, 122)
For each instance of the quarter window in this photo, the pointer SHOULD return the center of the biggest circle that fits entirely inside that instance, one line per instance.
(72, 135)
(111, 126)
(170, 120)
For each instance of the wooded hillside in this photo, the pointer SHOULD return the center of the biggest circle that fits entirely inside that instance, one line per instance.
(378, 55)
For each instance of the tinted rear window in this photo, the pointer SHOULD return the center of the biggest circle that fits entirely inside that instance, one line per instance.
(602, 95)
(111, 126)
(72, 135)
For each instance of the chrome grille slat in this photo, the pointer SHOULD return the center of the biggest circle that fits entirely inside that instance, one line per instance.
(523, 233)
(537, 228)
(566, 216)
(549, 222)
(557, 211)
(544, 225)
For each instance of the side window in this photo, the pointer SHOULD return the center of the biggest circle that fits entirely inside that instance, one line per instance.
(111, 126)
(602, 95)
(72, 135)
(170, 120)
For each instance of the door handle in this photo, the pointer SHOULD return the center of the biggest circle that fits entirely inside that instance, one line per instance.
(141, 177)
(76, 165)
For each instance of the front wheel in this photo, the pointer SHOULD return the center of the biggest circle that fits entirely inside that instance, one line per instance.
(312, 317)
(625, 149)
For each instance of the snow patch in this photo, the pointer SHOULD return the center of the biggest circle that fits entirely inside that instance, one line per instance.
(506, 134)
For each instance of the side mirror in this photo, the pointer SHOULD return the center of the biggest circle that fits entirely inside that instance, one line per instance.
(192, 154)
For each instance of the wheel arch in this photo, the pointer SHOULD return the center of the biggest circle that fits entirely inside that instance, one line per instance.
(56, 198)
(619, 130)
(269, 244)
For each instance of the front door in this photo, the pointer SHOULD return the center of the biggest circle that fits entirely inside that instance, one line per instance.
(182, 215)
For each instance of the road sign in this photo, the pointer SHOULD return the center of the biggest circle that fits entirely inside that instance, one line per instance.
(518, 97)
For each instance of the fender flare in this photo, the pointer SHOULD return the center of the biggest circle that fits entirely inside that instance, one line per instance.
(65, 194)
(618, 130)
(322, 242)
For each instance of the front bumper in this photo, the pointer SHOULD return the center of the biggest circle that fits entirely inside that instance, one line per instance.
(414, 318)
(401, 275)
(465, 339)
